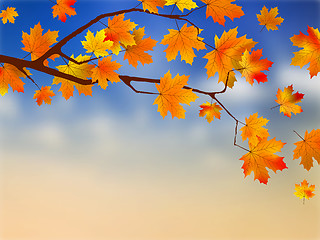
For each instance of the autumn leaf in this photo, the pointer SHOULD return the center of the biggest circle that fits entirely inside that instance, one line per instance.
(62, 8)
(10, 75)
(82, 71)
(182, 4)
(310, 52)
(262, 156)
(8, 15)
(304, 191)
(171, 94)
(288, 101)
(106, 71)
(183, 41)
(137, 53)
(152, 5)
(210, 111)
(308, 149)
(253, 130)
(95, 44)
(43, 95)
(269, 19)
(252, 66)
(38, 44)
(118, 31)
(226, 55)
(219, 9)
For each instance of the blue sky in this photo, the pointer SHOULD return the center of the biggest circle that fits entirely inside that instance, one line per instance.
(116, 170)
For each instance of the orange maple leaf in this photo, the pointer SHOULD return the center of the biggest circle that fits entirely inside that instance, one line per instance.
(10, 75)
(252, 66)
(219, 9)
(152, 5)
(62, 8)
(269, 19)
(308, 149)
(304, 190)
(254, 130)
(118, 31)
(182, 4)
(43, 95)
(310, 52)
(8, 15)
(171, 94)
(38, 44)
(287, 101)
(105, 71)
(82, 71)
(137, 52)
(227, 54)
(262, 156)
(183, 41)
(210, 111)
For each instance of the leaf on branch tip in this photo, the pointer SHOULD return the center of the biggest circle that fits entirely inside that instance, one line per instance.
(8, 15)
(303, 190)
(95, 44)
(171, 94)
(211, 111)
(152, 5)
(62, 8)
(182, 4)
(43, 95)
(10, 75)
(269, 18)
(288, 101)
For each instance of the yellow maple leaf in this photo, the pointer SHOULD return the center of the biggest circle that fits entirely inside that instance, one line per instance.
(43, 95)
(95, 44)
(211, 111)
(82, 71)
(310, 52)
(171, 94)
(10, 75)
(308, 149)
(137, 53)
(227, 55)
(182, 4)
(183, 41)
(152, 5)
(62, 8)
(288, 101)
(253, 130)
(269, 19)
(219, 9)
(118, 31)
(8, 15)
(105, 71)
(38, 44)
(304, 190)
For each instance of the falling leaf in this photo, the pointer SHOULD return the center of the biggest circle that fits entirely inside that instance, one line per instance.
(82, 71)
(95, 44)
(8, 15)
(210, 111)
(43, 95)
(219, 9)
(182, 4)
(253, 130)
(269, 19)
(310, 52)
(261, 157)
(183, 41)
(171, 94)
(106, 71)
(288, 101)
(304, 191)
(38, 44)
(308, 149)
(10, 75)
(252, 66)
(118, 31)
(226, 55)
(137, 53)
(62, 8)
(152, 5)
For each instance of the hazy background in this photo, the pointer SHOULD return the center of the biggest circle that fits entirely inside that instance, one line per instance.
(108, 167)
